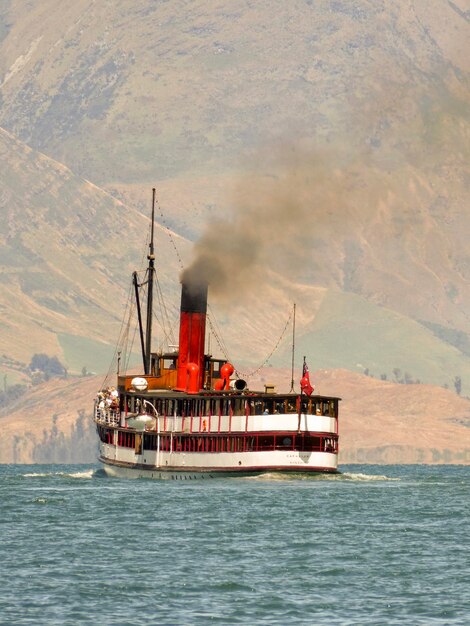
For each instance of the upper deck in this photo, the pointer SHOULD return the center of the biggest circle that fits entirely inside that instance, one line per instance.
(163, 373)
(230, 411)
(167, 402)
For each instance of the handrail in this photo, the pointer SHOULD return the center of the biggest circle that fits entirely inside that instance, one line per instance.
(107, 415)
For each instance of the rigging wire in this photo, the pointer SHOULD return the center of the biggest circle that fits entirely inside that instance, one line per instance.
(121, 335)
(144, 253)
(125, 341)
(216, 330)
(122, 345)
(167, 328)
(212, 319)
(217, 337)
(281, 337)
(165, 225)
(222, 347)
(130, 346)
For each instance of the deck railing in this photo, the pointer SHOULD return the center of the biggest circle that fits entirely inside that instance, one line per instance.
(107, 415)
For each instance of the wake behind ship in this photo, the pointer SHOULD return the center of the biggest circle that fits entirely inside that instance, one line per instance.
(186, 416)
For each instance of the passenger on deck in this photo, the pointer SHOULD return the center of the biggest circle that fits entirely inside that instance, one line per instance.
(114, 398)
(100, 400)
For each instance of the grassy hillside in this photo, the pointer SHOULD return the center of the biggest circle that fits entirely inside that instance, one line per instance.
(350, 332)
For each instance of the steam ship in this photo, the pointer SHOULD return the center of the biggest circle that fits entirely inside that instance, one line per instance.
(187, 416)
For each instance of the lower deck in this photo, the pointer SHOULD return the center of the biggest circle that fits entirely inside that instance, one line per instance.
(238, 460)
(218, 442)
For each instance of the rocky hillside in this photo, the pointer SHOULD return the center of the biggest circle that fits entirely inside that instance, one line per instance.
(142, 89)
(319, 148)
(381, 422)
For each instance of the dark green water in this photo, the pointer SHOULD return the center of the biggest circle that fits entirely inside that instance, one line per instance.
(376, 545)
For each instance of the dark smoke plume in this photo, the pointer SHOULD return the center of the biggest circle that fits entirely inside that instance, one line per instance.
(275, 220)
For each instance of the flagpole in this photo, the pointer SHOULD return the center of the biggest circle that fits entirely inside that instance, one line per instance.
(293, 353)
(300, 399)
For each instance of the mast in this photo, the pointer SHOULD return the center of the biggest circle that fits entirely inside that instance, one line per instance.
(293, 353)
(150, 271)
(139, 317)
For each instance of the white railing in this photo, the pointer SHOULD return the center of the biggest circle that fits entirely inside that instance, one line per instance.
(246, 423)
(107, 415)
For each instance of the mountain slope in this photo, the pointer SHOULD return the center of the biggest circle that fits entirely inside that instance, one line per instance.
(65, 268)
(329, 140)
(126, 91)
(350, 332)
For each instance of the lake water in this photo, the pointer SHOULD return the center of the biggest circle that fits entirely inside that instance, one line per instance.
(374, 545)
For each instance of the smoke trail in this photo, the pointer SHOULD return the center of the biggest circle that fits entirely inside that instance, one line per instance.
(273, 226)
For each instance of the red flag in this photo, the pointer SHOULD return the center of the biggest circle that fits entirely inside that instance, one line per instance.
(305, 384)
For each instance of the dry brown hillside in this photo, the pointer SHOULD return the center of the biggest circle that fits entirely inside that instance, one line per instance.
(319, 149)
(358, 113)
(382, 422)
(64, 267)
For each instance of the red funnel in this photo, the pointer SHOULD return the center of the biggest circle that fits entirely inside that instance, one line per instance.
(192, 337)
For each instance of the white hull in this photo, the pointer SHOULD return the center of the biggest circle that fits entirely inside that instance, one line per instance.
(183, 466)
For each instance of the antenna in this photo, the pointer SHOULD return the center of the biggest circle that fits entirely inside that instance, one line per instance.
(151, 271)
(293, 352)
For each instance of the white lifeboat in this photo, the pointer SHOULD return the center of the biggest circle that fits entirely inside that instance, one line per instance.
(139, 384)
(142, 422)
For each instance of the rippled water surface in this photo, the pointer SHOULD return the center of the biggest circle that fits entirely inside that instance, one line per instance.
(375, 545)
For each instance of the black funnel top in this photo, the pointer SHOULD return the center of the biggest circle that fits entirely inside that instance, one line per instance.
(194, 298)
